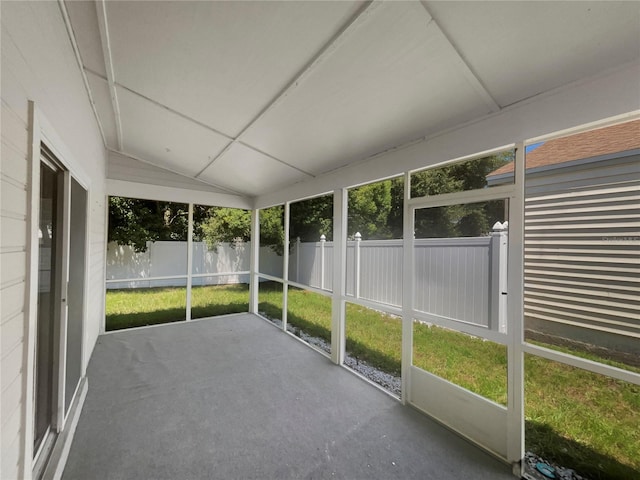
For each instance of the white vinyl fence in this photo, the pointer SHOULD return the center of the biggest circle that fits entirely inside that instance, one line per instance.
(459, 278)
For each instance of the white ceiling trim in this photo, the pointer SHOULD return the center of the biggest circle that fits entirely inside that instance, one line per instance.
(461, 62)
(85, 80)
(101, 8)
(230, 191)
(358, 18)
(121, 188)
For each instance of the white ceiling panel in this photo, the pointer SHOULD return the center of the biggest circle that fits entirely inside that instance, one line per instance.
(85, 29)
(245, 170)
(102, 99)
(520, 49)
(218, 62)
(394, 78)
(158, 135)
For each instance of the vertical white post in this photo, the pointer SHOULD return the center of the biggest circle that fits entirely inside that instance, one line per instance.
(503, 275)
(498, 272)
(285, 267)
(356, 262)
(298, 259)
(323, 241)
(31, 294)
(407, 291)
(62, 292)
(339, 274)
(189, 261)
(254, 267)
(515, 308)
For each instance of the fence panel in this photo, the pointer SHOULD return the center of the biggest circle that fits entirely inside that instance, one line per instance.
(452, 278)
(456, 278)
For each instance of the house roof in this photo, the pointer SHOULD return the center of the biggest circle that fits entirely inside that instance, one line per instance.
(594, 143)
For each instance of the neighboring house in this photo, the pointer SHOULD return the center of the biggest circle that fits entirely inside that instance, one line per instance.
(582, 237)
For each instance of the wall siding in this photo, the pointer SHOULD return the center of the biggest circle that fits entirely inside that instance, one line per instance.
(13, 241)
(582, 251)
(39, 65)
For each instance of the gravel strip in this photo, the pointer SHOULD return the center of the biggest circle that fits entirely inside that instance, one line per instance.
(385, 380)
(537, 468)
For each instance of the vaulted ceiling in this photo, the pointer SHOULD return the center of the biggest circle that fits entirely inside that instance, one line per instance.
(249, 97)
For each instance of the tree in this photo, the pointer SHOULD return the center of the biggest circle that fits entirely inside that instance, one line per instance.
(369, 209)
(135, 222)
(311, 218)
(458, 220)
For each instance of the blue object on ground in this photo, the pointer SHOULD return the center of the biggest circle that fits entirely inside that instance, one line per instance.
(546, 469)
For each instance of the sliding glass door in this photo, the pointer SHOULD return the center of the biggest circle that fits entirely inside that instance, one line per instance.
(61, 300)
(49, 253)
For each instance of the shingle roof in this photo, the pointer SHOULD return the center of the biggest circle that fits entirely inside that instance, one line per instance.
(594, 143)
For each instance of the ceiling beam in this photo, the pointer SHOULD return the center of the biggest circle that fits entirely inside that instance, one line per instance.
(85, 80)
(472, 77)
(101, 8)
(327, 49)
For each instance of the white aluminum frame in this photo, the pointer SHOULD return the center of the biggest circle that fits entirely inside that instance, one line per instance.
(41, 133)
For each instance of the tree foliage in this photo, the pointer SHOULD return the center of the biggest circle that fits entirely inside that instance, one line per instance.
(457, 220)
(135, 222)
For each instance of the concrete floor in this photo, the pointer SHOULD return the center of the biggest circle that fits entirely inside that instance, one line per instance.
(235, 398)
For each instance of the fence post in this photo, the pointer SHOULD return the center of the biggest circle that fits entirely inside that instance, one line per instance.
(298, 259)
(498, 286)
(356, 262)
(323, 240)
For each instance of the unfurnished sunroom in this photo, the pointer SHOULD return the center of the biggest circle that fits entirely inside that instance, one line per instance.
(486, 281)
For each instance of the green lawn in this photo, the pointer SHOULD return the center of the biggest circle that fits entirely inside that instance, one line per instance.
(151, 306)
(578, 419)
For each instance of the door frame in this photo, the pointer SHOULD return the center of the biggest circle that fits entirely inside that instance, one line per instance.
(41, 133)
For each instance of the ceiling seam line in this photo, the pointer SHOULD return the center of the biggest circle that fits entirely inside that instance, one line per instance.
(85, 80)
(275, 158)
(103, 26)
(203, 125)
(462, 61)
(182, 115)
(251, 147)
(226, 148)
(147, 162)
(324, 51)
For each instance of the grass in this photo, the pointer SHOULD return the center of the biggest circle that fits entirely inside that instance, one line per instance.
(152, 306)
(576, 418)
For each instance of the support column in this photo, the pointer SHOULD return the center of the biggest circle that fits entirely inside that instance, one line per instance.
(407, 290)
(515, 326)
(189, 261)
(254, 267)
(285, 268)
(339, 271)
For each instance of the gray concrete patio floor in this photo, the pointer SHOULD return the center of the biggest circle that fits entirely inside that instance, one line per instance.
(235, 398)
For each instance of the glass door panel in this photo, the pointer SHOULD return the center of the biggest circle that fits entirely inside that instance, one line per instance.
(48, 303)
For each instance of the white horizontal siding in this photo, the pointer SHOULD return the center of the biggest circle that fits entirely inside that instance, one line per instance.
(13, 240)
(97, 254)
(38, 64)
(582, 247)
